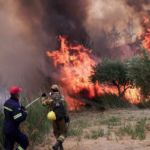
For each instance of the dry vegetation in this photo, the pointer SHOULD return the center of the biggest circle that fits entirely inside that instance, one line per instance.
(111, 130)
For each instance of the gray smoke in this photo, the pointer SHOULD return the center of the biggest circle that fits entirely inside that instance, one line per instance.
(138, 5)
(18, 59)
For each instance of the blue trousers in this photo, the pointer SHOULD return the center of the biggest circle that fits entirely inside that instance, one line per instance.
(18, 137)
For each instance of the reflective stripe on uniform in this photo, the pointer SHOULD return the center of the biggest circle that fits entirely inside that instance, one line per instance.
(51, 100)
(18, 115)
(20, 148)
(62, 137)
(8, 108)
(62, 99)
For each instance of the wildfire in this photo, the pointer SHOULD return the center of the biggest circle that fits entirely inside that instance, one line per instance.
(146, 34)
(75, 65)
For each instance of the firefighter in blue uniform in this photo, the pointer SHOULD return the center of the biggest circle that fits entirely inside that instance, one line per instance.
(14, 115)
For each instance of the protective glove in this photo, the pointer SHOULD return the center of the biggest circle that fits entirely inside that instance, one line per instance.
(44, 95)
(22, 109)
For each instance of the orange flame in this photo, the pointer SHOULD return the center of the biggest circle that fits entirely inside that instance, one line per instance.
(75, 66)
(146, 41)
(146, 20)
(146, 34)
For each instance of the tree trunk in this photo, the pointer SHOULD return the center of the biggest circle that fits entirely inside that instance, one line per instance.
(119, 98)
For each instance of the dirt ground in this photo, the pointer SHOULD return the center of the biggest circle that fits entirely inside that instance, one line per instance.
(103, 143)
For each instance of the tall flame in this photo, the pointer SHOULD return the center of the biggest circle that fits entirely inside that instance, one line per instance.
(75, 66)
(146, 34)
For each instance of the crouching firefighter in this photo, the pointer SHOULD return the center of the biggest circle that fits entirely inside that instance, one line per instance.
(56, 103)
(14, 115)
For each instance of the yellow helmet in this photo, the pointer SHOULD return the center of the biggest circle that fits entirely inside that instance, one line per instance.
(51, 115)
(54, 87)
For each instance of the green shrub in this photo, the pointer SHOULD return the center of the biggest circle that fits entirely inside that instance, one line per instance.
(138, 71)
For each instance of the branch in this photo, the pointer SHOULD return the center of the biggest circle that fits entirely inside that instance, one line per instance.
(115, 83)
(126, 89)
(124, 86)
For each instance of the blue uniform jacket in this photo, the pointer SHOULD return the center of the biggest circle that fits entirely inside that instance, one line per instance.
(13, 116)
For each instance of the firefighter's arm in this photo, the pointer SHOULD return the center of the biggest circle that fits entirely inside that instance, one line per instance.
(47, 101)
(62, 99)
(18, 115)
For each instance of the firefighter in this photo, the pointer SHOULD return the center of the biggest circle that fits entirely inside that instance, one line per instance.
(56, 103)
(14, 115)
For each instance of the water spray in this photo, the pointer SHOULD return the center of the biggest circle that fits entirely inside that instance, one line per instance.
(32, 102)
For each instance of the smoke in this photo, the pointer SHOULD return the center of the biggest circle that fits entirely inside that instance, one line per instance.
(4, 95)
(43, 20)
(103, 15)
(47, 19)
(29, 29)
(138, 5)
(53, 18)
(17, 58)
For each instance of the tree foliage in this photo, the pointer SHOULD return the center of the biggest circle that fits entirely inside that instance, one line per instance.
(139, 72)
(112, 72)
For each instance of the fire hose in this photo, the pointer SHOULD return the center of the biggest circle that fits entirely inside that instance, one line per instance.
(39, 122)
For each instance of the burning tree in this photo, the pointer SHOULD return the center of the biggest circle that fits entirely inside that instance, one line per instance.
(114, 73)
(139, 72)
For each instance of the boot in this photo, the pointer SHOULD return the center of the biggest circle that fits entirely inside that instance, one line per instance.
(61, 147)
(58, 144)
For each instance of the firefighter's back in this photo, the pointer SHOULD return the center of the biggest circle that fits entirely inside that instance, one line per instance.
(9, 124)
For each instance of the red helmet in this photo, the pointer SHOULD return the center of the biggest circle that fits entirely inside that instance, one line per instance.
(15, 90)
